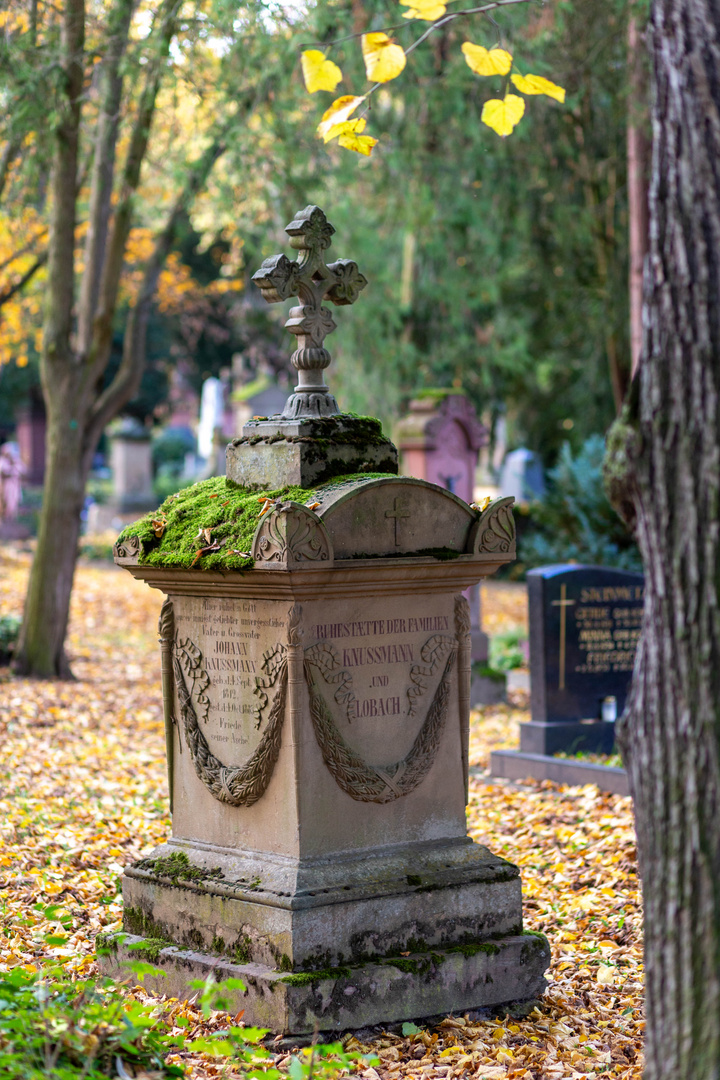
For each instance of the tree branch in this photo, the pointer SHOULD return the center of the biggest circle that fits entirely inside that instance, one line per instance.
(11, 290)
(61, 256)
(99, 349)
(129, 374)
(23, 250)
(6, 159)
(103, 169)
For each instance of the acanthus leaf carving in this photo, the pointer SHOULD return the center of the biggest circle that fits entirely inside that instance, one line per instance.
(291, 536)
(494, 531)
(362, 781)
(129, 548)
(245, 784)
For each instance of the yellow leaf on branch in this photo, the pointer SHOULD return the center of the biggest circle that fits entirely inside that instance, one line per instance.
(502, 116)
(384, 60)
(318, 72)
(430, 10)
(351, 139)
(487, 61)
(333, 118)
(535, 84)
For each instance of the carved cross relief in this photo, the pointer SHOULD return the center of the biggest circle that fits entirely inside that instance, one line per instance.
(312, 281)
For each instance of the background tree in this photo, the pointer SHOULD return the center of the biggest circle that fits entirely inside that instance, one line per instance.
(496, 266)
(104, 105)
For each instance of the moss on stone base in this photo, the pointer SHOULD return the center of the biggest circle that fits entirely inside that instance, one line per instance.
(178, 867)
(215, 511)
(309, 978)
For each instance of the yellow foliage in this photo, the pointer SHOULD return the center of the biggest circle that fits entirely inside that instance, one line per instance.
(319, 73)
(340, 111)
(486, 61)
(384, 60)
(14, 22)
(429, 10)
(502, 116)
(535, 84)
(351, 139)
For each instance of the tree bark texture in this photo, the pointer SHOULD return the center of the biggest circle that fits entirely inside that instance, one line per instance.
(670, 733)
(638, 160)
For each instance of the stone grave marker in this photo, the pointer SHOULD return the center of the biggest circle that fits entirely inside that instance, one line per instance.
(439, 440)
(585, 623)
(132, 478)
(316, 707)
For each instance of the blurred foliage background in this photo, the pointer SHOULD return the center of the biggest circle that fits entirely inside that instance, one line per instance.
(498, 267)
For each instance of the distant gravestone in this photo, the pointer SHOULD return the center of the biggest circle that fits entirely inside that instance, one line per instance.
(131, 464)
(522, 476)
(584, 628)
(31, 430)
(439, 440)
(212, 405)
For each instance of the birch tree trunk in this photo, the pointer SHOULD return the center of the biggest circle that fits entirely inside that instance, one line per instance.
(664, 468)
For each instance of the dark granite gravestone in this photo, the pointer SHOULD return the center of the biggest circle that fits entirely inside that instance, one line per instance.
(584, 627)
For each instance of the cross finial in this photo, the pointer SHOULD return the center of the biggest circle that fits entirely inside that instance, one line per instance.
(312, 281)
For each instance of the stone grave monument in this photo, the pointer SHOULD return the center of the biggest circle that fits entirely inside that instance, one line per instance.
(132, 478)
(31, 434)
(316, 660)
(439, 440)
(585, 624)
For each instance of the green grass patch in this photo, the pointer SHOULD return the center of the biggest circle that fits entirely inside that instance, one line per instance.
(615, 761)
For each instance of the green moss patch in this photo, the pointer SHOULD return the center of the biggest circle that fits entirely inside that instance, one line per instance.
(149, 949)
(215, 512)
(178, 867)
(310, 978)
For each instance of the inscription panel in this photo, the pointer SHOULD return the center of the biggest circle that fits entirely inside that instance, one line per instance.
(378, 670)
(585, 624)
(235, 638)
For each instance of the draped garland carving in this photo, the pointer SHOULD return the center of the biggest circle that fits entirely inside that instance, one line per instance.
(365, 782)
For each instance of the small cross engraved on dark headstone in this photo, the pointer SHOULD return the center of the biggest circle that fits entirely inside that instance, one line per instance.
(585, 623)
(312, 281)
(563, 603)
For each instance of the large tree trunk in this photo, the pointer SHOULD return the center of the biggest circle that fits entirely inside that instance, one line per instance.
(638, 160)
(41, 650)
(670, 734)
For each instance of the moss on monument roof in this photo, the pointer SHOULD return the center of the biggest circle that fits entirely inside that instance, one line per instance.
(231, 514)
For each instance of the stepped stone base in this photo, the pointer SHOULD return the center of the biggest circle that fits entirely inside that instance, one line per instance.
(569, 737)
(307, 914)
(515, 765)
(390, 989)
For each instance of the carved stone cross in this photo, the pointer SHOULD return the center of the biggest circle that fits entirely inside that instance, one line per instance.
(312, 281)
(399, 510)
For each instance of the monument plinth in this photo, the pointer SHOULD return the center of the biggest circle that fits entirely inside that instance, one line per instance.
(316, 682)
